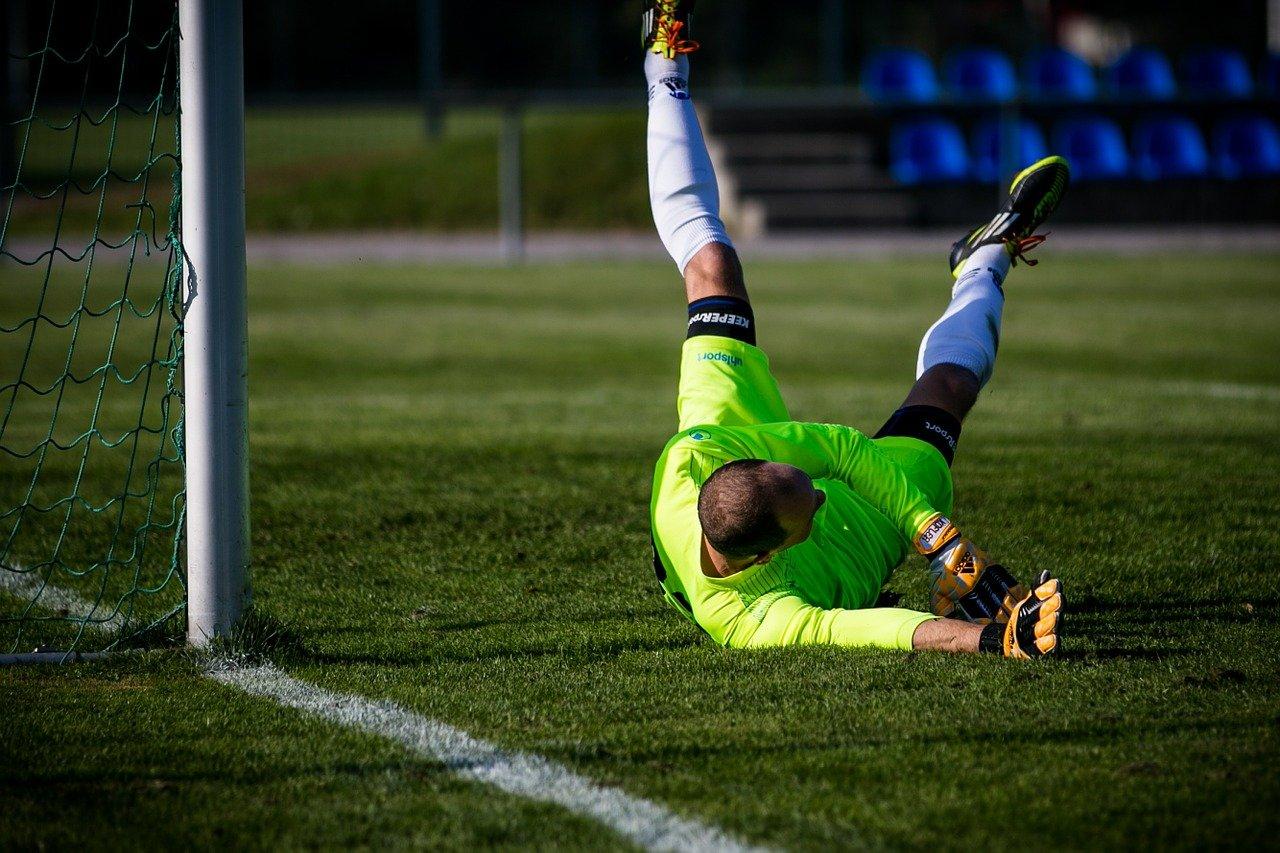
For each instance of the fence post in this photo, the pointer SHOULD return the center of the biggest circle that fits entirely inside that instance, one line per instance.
(511, 183)
(833, 42)
(430, 64)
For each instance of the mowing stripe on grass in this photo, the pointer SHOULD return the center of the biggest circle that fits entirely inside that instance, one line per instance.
(1225, 390)
(640, 821)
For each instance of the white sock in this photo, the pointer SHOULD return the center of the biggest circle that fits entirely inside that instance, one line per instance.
(682, 183)
(968, 333)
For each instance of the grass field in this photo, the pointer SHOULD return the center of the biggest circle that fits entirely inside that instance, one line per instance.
(340, 167)
(450, 474)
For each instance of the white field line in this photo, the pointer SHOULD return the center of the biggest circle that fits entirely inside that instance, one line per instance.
(640, 821)
(533, 777)
(26, 585)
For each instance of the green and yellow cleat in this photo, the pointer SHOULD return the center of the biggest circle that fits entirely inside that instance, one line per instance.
(1033, 196)
(665, 27)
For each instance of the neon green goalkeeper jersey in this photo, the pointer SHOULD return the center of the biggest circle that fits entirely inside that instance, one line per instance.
(880, 494)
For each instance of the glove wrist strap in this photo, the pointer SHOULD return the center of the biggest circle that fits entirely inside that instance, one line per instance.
(936, 533)
(992, 639)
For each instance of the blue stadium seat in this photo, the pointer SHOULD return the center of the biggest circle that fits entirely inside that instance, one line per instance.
(1169, 148)
(981, 74)
(900, 76)
(1248, 146)
(1059, 74)
(1217, 72)
(987, 139)
(1144, 73)
(928, 151)
(1094, 145)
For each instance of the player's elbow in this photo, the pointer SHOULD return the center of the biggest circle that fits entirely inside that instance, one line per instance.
(737, 633)
(786, 622)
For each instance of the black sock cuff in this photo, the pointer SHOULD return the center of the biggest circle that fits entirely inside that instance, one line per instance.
(726, 316)
(928, 424)
(992, 639)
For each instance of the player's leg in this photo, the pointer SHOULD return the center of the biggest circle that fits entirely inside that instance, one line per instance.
(724, 378)
(958, 353)
(715, 272)
(683, 191)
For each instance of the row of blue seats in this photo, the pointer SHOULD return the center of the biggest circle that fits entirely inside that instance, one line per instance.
(1144, 73)
(933, 149)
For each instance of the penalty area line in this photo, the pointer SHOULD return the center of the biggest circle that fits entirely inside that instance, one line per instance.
(643, 822)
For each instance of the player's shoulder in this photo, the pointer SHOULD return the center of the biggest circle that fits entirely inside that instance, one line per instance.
(740, 441)
(696, 451)
(797, 431)
(698, 436)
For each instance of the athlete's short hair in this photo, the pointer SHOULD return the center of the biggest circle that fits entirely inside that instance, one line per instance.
(737, 510)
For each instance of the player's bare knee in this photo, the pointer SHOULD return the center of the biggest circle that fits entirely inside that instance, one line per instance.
(714, 271)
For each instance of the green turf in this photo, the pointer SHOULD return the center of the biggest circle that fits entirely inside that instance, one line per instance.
(450, 486)
(185, 767)
(316, 169)
(321, 170)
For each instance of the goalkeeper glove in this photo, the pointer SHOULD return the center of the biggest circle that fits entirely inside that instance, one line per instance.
(1033, 630)
(966, 585)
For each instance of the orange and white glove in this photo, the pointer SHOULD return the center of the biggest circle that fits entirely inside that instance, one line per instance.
(966, 584)
(1033, 630)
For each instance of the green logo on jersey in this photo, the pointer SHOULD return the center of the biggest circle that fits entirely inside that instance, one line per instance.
(723, 357)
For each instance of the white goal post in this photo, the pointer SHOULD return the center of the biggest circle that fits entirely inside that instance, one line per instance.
(123, 356)
(215, 329)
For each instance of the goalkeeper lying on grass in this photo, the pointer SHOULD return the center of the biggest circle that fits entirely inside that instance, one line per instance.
(769, 532)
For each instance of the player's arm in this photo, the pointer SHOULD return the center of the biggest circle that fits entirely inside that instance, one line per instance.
(965, 584)
(1032, 632)
(841, 453)
(788, 620)
(791, 621)
(947, 635)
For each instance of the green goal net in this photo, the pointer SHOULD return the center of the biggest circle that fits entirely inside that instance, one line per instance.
(91, 410)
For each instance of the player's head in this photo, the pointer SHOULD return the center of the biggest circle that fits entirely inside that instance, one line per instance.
(753, 509)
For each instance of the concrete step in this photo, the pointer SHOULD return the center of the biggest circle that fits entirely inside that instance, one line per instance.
(749, 148)
(810, 211)
(813, 177)
(793, 120)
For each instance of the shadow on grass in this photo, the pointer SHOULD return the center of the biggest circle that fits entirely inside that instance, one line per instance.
(1103, 732)
(603, 649)
(1119, 630)
(1097, 630)
(1171, 610)
(99, 779)
(443, 624)
(1118, 653)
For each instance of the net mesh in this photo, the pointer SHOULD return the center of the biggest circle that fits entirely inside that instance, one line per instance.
(91, 475)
